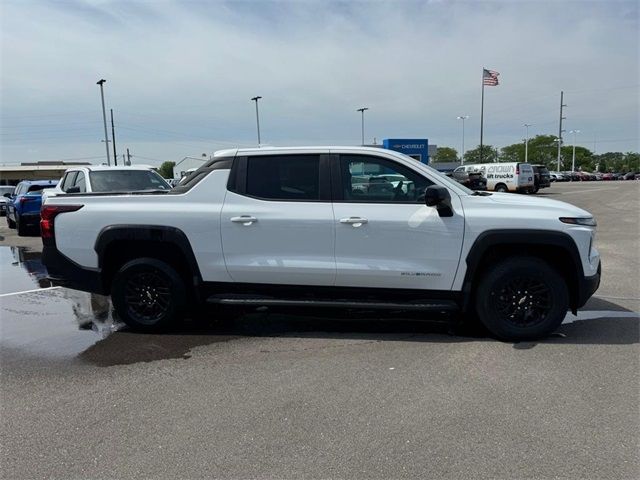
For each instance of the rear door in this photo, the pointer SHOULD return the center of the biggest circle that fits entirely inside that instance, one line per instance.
(524, 175)
(386, 236)
(277, 220)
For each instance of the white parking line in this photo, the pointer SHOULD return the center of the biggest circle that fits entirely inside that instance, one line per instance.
(29, 291)
(591, 314)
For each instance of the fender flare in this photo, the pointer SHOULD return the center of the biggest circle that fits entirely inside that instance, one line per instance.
(493, 238)
(150, 233)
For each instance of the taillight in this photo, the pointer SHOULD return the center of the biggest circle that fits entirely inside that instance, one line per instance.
(517, 169)
(47, 215)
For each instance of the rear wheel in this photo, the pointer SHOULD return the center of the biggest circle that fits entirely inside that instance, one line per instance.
(148, 294)
(522, 298)
(501, 187)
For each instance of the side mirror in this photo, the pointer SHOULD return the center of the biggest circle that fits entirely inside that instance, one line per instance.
(439, 197)
(7, 195)
(73, 190)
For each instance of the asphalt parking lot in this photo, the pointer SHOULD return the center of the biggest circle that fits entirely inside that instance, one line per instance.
(268, 395)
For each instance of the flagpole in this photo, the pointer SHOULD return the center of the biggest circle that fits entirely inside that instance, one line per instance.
(482, 115)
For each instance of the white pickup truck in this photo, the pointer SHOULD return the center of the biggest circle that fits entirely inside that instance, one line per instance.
(346, 227)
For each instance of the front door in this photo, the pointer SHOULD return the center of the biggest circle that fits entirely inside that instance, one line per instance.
(277, 227)
(385, 234)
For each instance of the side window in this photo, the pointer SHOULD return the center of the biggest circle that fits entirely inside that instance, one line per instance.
(80, 183)
(68, 180)
(284, 177)
(377, 180)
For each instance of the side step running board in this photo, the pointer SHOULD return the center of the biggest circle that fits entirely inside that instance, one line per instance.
(435, 305)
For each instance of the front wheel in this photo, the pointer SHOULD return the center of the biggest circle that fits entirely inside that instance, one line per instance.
(10, 223)
(522, 298)
(148, 294)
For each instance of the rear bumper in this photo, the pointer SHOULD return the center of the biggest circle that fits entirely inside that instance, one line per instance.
(67, 273)
(587, 287)
(30, 218)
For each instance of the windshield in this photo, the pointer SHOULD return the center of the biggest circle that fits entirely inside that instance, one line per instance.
(446, 180)
(126, 180)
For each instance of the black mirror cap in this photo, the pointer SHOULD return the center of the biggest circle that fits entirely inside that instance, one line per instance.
(436, 194)
(439, 197)
(7, 195)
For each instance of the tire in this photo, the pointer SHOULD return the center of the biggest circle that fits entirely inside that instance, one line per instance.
(501, 187)
(10, 223)
(148, 294)
(536, 190)
(21, 227)
(511, 319)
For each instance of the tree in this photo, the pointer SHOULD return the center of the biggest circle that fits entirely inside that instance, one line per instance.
(489, 155)
(446, 154)
(166, 169)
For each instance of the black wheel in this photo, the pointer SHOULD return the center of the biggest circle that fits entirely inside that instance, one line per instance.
(501, 187)
(148, 294)
(522, 298)
(21, 227)
(536, 189)
(10, 223)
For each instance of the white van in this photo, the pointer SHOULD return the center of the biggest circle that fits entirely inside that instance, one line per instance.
(504, 177)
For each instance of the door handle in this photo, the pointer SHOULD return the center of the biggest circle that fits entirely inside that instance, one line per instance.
(354, 221)
(246, 220)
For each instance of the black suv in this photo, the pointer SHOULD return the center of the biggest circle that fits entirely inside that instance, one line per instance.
(541, 177)
(472, 180)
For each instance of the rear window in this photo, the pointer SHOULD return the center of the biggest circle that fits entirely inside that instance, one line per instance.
(37, 188)
(284, 177)
(126, 181)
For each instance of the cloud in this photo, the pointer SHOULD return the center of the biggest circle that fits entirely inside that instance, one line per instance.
(190, 68)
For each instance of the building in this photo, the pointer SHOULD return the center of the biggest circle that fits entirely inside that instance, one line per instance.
(13, 174)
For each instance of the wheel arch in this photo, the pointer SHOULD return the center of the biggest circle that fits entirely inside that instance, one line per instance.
(117, 244)
(557, 248)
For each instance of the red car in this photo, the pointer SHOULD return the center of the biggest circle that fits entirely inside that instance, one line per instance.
(608, 176)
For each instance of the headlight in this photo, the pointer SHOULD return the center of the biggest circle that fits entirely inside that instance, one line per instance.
(585, 221)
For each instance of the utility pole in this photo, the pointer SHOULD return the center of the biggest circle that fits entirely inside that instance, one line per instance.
(463, 118)
(128, 157)
(526, 143)
(104, 118)
(560, 130)
(362, 110)
(113, 137)
(255, 99)
(573, 157)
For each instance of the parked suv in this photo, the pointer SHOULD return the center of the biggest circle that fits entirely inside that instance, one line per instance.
(6, 192)
(349, 227)
(470, 179)
(23, 208)
(102, 179)
(541, 177)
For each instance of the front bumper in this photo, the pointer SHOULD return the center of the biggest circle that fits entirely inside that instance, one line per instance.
(65, 272)
(587, 286)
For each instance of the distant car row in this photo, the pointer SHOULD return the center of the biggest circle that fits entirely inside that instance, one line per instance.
(589, 177)
(22, 205)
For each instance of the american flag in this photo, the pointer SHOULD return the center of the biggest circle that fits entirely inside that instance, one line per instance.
(489, 78)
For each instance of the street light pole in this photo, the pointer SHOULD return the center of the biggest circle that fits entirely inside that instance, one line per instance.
(255, 99)
(573, 157)
(104, 118)
(362, 110)
(526, 143)
(463, 118)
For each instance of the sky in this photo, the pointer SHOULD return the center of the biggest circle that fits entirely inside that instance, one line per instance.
(180, 75)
